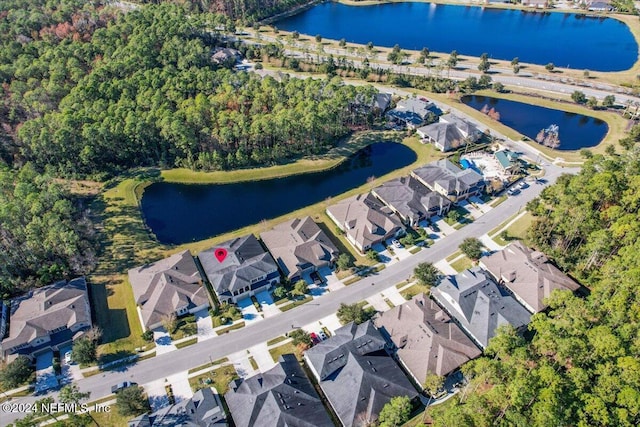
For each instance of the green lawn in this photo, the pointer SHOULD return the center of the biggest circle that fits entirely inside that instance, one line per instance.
(208, 365)
(352, 280)
(453, 256)
(187, 327)
(187, 343)
(111, 418)
(230, 328)
(278, 351)
(461, 264)
(218, 378)
(516, 231)
(295, 303)
(414, 290)
(276, 340)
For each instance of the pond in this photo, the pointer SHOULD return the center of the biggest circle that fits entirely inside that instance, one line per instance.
(179, 213)
(565, 39)
(576, 131)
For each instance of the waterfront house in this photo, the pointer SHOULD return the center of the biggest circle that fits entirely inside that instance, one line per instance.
(281, 396)
(365, 221)
(449, 180)
(47, 318)
(411, 112)
(171, 286)
(426, 340)
(246, 269)
(449, 133)
(357, 375)
(528, 274)
(204, 409)
(411, 200)
(299, 247)
(479, 305)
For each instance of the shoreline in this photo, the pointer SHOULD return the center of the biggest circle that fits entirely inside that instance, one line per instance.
(632, 22)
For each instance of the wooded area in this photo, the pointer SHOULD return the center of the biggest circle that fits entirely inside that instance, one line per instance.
(95, 100)
(581, 368)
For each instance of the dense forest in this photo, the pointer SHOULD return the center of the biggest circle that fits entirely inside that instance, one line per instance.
(44, 233)
(581, 368)
(144, 91)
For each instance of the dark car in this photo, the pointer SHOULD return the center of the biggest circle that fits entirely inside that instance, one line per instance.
(121, 386)
(314, 338)
(317, 279)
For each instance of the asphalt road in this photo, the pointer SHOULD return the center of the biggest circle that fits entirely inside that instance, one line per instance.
(218, 347)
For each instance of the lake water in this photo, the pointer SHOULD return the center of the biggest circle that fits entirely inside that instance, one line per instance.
(565, 39)
(576, 130)
(179, 213)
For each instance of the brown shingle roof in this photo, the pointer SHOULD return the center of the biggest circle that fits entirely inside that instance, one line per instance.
(428, 341)
(528, 274)
(164, 286)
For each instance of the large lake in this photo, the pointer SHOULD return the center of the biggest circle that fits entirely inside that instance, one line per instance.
(566, 39)
(179, 213)
(576, 130)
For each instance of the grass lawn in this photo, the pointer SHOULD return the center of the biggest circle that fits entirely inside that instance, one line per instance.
(415, 250)
(351, 281)
(295, 303)
(516, 231)
(276, 340)
(461, 264)
(278, 351)
(218, 378)
(230, 328)
(453, 256)
(111, 418)
(187, 343)
(414, 290)
(187, 326)
(208, 365)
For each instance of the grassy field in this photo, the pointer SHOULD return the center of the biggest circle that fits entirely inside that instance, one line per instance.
(516, 231)
(278, 351)
(220, 379)
(461, 264)
(111, 418)
(414, 290)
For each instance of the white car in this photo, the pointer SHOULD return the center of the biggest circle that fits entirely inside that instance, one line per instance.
(67, 357)
(396, 243)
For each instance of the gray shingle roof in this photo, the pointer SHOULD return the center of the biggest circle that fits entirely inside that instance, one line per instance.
(365, 219)
(428, 341)
(410, 198)
(281, 397)
(160, 288)
(42, 310)
(246, 260)
(448, 176)
(356, 374)
(298, 244)
(445, 135)
(478, 304)
(528, 274)
(204, 409)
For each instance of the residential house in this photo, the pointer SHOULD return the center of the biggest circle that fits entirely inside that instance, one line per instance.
(452, 182)
(411, 112)
(282, 396)
(357, 375)
(204, 409)
(171, 286)
(365, 221)
(507, 160)
(378, 103)
(426, 339)
(411, 200)
(246, 269)
(299, 246)
(479, 306)
(450, 132)
(47, 318)
(599, 6)
(528, 274)
(538, 4)
(225, 55)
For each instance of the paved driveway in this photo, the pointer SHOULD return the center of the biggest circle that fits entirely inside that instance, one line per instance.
(205, 327)
(377, 302)
(249, 311)
(163, 341)
(394, 295)
(262, 357)
(157, 393)
(69, 372)
(45, 375)
(383, 254)
(268, 306)
(180, 386)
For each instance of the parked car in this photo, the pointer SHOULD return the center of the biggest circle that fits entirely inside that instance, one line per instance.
(396, 243)
(523, 185)
(67, 357)
(322, 335)
(433, 227)
(317, 279)
(314, 338)
(513, 192)
(121, 386)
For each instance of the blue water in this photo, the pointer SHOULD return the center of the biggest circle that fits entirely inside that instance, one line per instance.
(576, 130)
(567, 40)
(179, 213)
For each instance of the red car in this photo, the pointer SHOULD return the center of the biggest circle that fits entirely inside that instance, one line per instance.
(314, 338)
